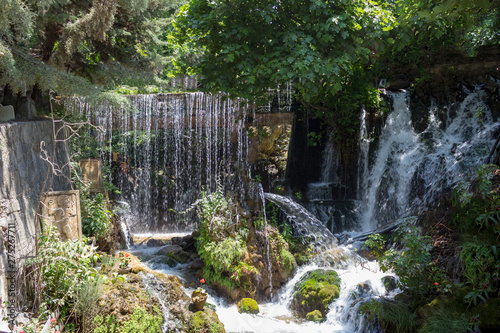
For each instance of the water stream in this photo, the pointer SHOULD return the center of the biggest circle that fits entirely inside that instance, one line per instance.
(205, 142)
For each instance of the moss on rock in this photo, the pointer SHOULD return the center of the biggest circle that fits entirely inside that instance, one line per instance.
(248, 305)
(314, 316)
(315, 291)
(205, 321)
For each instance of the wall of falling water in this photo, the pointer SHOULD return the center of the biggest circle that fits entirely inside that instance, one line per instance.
(166, 151)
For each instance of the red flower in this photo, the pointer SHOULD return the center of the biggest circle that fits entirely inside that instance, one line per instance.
(53, 320)
(437, 284)
(127, 254)
(202, 280)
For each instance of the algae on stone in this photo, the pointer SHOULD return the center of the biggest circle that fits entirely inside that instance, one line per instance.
(248, 305)
(316, 291)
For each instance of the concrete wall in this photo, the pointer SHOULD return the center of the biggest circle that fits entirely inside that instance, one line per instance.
(22, 175)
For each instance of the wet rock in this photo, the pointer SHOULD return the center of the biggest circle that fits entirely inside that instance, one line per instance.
(178, 241)
(389, 283)
(363, 288)
(315, 291)
(154, 243)
(315, 316)
(205, 321)
(173, 255)
(248, 305)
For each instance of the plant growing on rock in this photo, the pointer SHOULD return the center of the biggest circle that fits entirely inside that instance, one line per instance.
(412, 261)
(221, 243)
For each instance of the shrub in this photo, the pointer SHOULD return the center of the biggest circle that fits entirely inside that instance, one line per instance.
(60, 272)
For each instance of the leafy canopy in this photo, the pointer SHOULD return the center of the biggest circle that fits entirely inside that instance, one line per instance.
(251, 46)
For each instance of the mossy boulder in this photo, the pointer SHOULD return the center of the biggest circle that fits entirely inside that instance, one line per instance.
(389, 283)
(205, 321)
(248, 305)
(315, 291)
(315, 316)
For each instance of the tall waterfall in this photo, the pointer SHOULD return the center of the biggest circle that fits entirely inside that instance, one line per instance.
(410, 170)
(168, 150)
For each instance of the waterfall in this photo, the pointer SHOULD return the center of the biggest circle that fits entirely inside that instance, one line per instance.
(410, 170)
(269, 268)
(166, 150)
(304, 223)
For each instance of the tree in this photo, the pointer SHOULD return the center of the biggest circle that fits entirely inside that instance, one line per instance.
(315, 43)
(56, 43)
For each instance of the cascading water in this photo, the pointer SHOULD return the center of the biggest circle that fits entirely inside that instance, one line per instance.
(262, 197)
(410, 170)
(166, 151)
(200, 134)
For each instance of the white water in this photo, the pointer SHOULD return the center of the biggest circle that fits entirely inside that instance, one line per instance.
(276, 316)
(410, 170)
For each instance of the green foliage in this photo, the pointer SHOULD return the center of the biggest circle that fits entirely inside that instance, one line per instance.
(140, 321)
(413, 262)
(96, 218)
(372, 310)
(315, 316)
(376, 243)
(221, 243)
(314, 43)
(445, 321)
(392, 316)
(481, 270)
(61, 272)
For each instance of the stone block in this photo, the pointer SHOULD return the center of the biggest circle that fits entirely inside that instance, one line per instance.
(62, 210)
(91, 173)
(7, 113)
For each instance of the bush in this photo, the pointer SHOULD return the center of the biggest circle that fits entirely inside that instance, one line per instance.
(60, 272)
(412, 262)
(221, 243)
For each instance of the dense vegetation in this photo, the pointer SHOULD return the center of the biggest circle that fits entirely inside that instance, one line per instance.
(334, 54)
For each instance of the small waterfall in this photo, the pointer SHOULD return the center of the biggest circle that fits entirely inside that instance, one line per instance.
(304, 223)
(410, 170)
(364, 146)
(322, 190)
(165, 151)
(263, 199)
(155, 289)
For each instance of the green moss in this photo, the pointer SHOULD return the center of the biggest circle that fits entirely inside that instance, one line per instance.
(248, 305)
(140, 321)
(316, 291)
(314, 316)
(205, 321)
(288, 260)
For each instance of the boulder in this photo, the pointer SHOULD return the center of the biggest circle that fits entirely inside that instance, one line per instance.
(154, 243)
(389, 283)
(248, 305)
(205, 321)
(315, 291)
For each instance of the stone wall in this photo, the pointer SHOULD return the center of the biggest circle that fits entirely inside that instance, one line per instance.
(22, 176)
